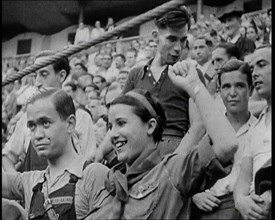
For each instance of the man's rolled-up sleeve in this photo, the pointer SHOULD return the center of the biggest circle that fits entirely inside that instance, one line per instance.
(209, 162)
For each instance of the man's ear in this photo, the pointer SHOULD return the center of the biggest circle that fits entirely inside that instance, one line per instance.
(62, 75)
(155, 35)
(71, 121)
(152, 124)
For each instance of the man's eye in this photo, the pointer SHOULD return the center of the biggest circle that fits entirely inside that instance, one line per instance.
(46, 124)
(172, 39)
(261, 64)
(121, 123)
(31, 126)
(225, 87)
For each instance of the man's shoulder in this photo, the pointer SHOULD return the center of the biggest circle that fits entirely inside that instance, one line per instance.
(138, 70)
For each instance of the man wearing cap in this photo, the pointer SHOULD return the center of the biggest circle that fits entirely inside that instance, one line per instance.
(230, 16)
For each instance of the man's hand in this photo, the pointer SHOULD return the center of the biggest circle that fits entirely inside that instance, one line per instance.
(266, 205)
(184, 75)
(250, 207)
(206, 201)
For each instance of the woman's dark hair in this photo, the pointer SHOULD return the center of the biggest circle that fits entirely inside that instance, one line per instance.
(236, 65)
(141, 111)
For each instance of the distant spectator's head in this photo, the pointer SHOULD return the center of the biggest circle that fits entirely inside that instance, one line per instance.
(85, 79)
(122, 78)
(91, 87)
(172, 34)
(135, 44)
(230, 16)
(202, 49)
(106, 60)
(80, 67)
(119, 60)
(252, 31)
(131, 56)
(98, 59)
(100, 81)
(54, 74)
(222, 53)
(70, 89)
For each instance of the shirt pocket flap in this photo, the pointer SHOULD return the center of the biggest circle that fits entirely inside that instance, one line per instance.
(142, 201)
(143, 190)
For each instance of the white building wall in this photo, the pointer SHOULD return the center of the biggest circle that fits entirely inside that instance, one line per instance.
(9, 48)
(60, 40)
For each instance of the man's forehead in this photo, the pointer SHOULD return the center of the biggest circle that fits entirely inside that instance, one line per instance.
(261, 54)
(175, 31)
(41, 59)
(218, 52)
(200, 42)
(40, 108)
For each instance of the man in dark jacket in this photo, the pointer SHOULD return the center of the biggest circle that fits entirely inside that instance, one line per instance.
(230, 16)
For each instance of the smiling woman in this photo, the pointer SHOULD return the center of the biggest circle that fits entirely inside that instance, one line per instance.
(151, 186)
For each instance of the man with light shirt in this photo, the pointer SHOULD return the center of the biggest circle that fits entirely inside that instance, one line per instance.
(235, 81)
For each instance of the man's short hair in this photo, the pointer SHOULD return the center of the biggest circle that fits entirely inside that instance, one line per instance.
(83, 67)
(63, 102)
(103, 80)
(59, 64)
(230, 49)
(174, 19)
(124, 71)
(236, 65)
(131, 49)
(120, 55)
(72, 85)
(208, 41)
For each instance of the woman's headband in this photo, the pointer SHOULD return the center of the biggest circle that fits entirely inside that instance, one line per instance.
(143, 101)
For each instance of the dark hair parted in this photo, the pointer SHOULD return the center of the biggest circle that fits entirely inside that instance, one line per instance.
(230, 49)
(121, 56)
(207, 40)
(174, 19)
(62, 101)
(59, 64)
(236, 65)
(142, 112)
(72, 85)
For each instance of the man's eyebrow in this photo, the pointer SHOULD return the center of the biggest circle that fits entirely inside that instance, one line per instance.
(262, 60)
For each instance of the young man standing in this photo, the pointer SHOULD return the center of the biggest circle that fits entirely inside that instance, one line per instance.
(172, 37)
(65, 190)
(258, 148)
(235, 88)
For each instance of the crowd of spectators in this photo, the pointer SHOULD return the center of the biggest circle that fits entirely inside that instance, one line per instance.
(99, 75)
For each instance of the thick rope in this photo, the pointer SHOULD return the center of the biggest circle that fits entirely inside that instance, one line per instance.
(149, 15)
